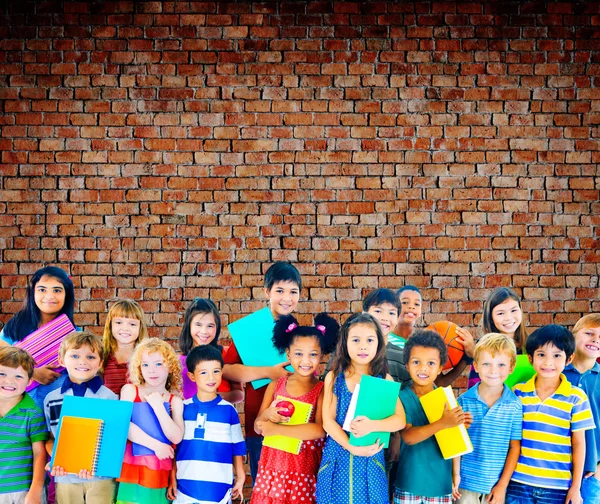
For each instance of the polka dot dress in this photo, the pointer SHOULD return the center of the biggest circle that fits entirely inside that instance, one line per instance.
(344, 478)
(286, 478)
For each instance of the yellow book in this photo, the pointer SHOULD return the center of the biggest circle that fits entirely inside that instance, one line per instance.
(78, 444)
(454, 441)
(301, 416)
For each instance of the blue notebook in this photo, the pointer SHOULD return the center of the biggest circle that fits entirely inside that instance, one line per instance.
(116, 416)
(252, 336)
(144, 417)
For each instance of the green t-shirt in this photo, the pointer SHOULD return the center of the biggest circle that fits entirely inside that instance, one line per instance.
(421, 470)
(19, 429)
(396, 340)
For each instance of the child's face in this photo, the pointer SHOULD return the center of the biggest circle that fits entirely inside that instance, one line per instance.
(410, 307)
(507, 316)
(424, 365)
(493, 369)
(154, 369)
(49, 295)
(549, 361)
(13, 382)
(362, 343)
(587, 342)
(203, 328)
(283, 298)
(125, 330)
(82, 363)
(304, 355)
(387, 316)
(207, 376)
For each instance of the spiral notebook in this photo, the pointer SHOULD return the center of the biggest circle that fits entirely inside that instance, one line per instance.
(78, 444)
(301, 416)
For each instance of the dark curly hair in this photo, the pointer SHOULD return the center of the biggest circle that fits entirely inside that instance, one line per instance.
(428, 339)
(287, 329)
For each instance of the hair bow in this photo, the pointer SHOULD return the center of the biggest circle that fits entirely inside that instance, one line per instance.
(321, 328)
(291, 327)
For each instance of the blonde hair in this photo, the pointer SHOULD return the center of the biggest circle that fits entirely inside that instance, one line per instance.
(79, 339)
(125, 308)
(591, 320)
(496, 343)
(155, 345)
(14, 357)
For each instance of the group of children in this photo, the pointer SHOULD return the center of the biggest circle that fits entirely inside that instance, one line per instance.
(536, 443)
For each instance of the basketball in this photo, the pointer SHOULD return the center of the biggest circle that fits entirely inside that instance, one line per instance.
(447, 330)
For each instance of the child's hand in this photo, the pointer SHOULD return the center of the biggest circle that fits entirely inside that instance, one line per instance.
(466, 339)
(58, 471)
(266, 427)
(163, 450)
(172, 491)
(455, 485)
(33, 497)
(452, 417)
(272, 414)
(573, 496)
(468, 419)
(45, 375)
(361, 426)
(393, 452)
(279, 371)
(85, 474)
(238, 488)
(366, 451)
(497, 495)
(155, 400)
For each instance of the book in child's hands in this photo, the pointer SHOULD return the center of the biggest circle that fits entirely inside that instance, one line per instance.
(300, 416)
(454, 441)
(78, 444)
(144, 417)
(252, 336)
(376, 399)
(116, 416)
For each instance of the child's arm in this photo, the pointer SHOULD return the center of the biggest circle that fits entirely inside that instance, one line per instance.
(335, 430)
(171, 425)
(305, 432)
(466, 339)
(451, 418)
(34, 495)
(246, 374)
(361, 425)
(172, 489)
(578, 450)
(498, 493)
(268, 411)
(50, 444)
(235, 395)
(455, 478)
(240, 477)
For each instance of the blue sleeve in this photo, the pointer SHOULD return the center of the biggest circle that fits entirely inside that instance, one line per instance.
(237, 438)
(516, 431)
(6, 339)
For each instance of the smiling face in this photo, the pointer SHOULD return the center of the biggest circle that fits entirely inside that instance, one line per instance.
(207, 376)
(49, 295)
(424, 365)
(13, 382)
(507, 317)
(362, 343)
(387, 316)
(283, 298)
(587, 343)
(549, 361)
(155, 370)
(493, 369)
(203, 329)
(304, 355)
(82, 363)
(410, 307)
(125, 330)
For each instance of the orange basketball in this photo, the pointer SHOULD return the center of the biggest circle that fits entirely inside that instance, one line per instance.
(447, 330)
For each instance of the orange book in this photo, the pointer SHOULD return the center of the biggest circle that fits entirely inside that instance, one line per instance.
(78, 444)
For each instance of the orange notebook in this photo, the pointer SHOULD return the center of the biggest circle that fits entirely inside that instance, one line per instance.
(78, 444)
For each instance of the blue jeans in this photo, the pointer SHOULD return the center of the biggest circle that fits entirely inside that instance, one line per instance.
(590, 490)
(518, 493)
(254, 447)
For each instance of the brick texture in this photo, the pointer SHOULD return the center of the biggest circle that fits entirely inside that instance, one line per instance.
(166, 150)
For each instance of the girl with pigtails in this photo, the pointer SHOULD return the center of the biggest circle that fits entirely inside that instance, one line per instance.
(285, 477)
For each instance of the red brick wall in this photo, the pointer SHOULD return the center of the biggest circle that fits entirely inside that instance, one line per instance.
(162, 151)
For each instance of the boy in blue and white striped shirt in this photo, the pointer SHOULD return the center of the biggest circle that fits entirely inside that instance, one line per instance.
(213, 446)
(483, 475)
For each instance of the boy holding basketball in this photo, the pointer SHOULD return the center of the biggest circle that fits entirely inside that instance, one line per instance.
(483, 475)
(423, 475)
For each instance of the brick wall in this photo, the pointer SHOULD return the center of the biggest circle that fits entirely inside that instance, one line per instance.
(166, 150)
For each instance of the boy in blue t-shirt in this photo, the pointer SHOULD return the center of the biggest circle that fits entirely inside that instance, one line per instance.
(213, 446)
(423, 475)
(483, 475)
(584, 372)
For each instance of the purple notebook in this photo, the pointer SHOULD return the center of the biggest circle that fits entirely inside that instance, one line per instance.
(144, 417)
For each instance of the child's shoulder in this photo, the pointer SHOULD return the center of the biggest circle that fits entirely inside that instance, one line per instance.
(105, 393)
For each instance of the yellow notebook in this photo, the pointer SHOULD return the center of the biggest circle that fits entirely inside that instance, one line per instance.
(301, 416)
(454, 441)
(78, 444)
